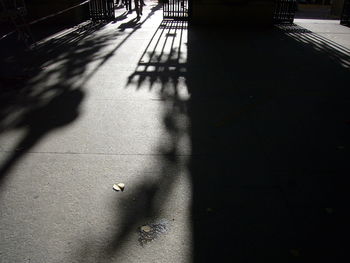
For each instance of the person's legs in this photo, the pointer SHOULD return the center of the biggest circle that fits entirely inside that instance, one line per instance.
(137, 8)
(141, 4)
(127, 4)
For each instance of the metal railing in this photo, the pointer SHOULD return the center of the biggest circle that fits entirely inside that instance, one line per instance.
(175, 9)
(13, 13)
(284, 11)
(101, 9)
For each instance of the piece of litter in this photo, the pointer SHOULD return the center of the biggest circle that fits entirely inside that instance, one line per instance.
(116, 187)
(146, 229)
(119, 187)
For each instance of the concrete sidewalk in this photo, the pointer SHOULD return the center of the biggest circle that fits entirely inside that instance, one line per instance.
(328, 29)
(79, 126)
(232, 145)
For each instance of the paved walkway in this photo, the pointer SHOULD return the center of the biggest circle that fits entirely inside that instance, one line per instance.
(328, 30)
(231, 144)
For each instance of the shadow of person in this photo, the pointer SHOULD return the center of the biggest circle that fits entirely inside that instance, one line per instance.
(133, 23)
(57, 112)
(120, 17)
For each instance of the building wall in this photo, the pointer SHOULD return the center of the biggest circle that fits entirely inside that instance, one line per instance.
(233, 12)
(42, 8)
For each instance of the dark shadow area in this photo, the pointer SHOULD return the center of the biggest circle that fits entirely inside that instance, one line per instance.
(269, 117)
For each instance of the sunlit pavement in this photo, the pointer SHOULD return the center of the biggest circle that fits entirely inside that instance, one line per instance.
(232, 144)
(329, 29)
(57, 200)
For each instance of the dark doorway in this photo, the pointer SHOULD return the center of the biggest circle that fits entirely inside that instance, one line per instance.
(345, 17)
(319, 9)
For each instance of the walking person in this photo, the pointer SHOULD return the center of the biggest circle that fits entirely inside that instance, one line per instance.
(138, 8)
(127, 4)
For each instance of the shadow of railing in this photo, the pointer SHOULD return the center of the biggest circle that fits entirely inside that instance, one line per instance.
(163, 60)
(320, 44)
(161, 68)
